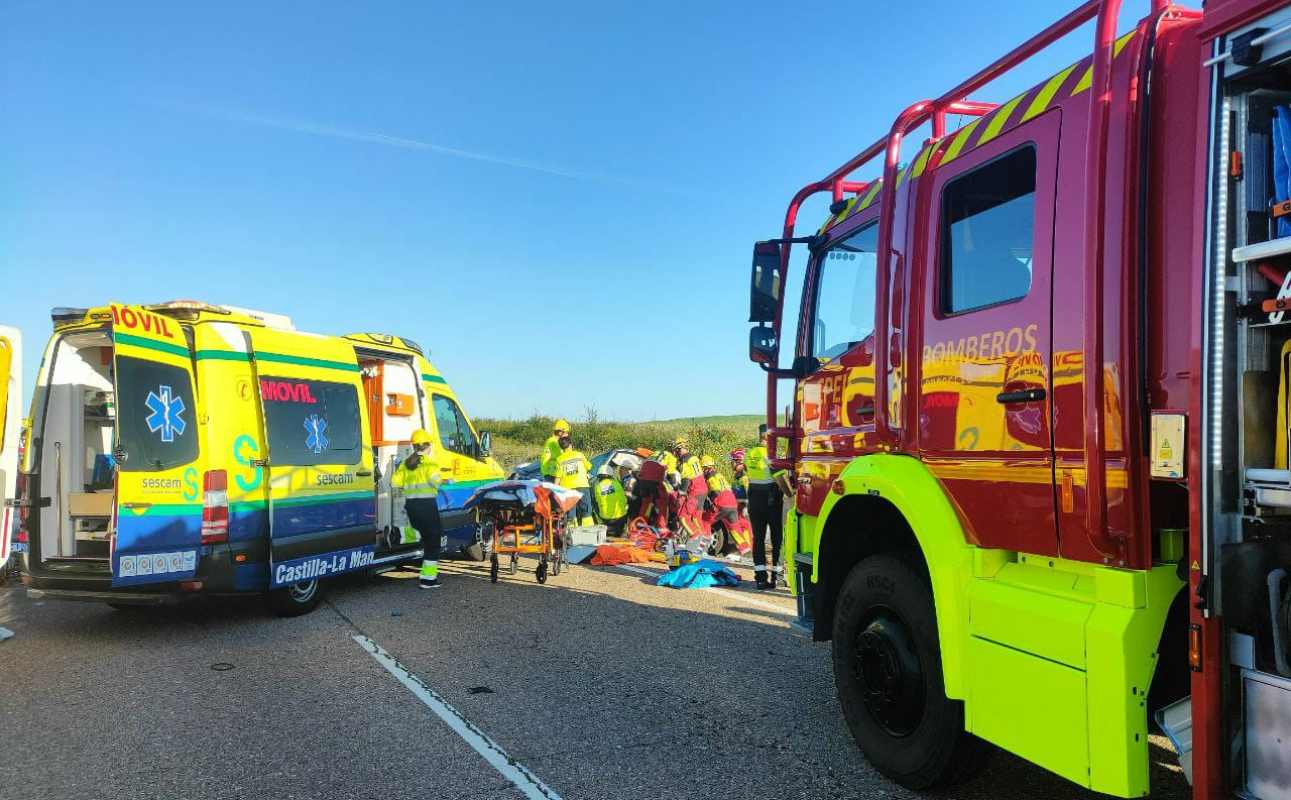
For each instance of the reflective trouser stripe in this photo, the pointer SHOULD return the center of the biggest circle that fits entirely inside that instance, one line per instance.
(760, 568)
(430, 569)
(779, 570)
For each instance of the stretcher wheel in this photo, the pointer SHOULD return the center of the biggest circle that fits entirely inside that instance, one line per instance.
(514, 564)
(493, 568)
(541, 572)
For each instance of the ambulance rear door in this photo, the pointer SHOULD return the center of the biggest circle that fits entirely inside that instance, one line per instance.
(158, 506)
(320, 490)
(10, 402)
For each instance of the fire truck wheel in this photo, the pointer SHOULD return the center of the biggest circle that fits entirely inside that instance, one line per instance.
(887, 668)
(296, 599)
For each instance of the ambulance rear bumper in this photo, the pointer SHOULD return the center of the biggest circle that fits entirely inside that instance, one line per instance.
(116, 596)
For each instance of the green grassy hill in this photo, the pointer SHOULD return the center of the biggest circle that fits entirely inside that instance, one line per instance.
(516, 441)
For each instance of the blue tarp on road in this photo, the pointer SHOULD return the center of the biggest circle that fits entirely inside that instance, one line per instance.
(700, 575)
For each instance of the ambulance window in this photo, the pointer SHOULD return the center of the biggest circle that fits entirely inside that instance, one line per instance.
(156, 419)
(845, 291)
(454, 431)
(987, 229)
(311, 422)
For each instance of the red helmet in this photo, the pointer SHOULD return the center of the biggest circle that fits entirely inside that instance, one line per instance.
(737, 455)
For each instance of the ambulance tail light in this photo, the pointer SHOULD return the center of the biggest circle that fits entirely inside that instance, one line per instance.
(215, 507)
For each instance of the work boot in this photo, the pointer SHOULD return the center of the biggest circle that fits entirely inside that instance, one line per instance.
(429, 583)
(761, 580)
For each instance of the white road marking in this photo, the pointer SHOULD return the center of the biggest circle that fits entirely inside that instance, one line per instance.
(519, 775)
(743, 598)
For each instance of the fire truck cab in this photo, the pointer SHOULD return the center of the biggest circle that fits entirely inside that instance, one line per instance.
(1042, 408)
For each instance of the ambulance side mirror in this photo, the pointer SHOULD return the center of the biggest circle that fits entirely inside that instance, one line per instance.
(486, 443)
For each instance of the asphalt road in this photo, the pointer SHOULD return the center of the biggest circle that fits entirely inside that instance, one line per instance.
(597, 685)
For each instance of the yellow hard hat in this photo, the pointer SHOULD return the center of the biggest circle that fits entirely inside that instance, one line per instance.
(561, 426)
(421, 437)
(681, 441)
(707, 461)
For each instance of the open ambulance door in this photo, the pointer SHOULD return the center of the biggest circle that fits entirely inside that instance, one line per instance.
(10, 402)
(159, 499)
(320, 491)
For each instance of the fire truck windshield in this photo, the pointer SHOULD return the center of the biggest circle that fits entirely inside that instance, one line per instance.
(845, 291)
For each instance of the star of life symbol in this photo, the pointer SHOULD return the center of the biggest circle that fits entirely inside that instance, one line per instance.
(314, 427)
(167, 414)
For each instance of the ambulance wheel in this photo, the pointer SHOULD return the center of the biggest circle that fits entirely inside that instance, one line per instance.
(296, 599)
(493, 568)
(480, 549)
(541, 572)
(887, 668)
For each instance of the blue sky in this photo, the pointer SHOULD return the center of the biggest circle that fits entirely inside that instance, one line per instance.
(501, 182)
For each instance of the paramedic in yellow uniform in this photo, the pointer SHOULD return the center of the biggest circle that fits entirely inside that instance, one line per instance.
(551, 450)
(419, 477)
(767, 489)
(611, 500)
(571, 472)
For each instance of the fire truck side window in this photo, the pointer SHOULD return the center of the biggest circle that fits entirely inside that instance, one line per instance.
(987, 230)
(845, 291)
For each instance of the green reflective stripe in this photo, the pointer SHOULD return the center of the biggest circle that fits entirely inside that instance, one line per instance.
(430, 569)
(150, 344)
(164, 510)
(317, 499)
(307, 362)
(428, 378)
(220, 355)
(278, 358)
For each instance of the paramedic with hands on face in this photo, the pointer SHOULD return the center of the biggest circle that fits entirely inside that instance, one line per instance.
(419, 477)
(551, 450)
(767, 490)
(571, 472)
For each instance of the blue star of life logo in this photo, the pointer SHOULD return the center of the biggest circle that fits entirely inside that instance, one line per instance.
(166, 413)
(314, 439)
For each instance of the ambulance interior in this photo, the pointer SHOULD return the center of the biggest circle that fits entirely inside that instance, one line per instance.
(391, 391)
(77, 438)
(1249, 422)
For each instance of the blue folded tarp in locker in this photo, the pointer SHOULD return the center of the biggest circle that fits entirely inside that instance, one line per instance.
(1282, 163)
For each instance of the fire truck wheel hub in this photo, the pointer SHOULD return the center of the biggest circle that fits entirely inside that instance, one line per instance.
(890, 675)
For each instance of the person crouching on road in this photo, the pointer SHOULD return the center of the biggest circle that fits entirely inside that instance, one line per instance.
(571, 472)
(419, 477)
(611, 500)
(717, 486)
(551, 450)
(767, 490)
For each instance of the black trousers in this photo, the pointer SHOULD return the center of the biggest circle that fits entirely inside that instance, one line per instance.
(766, 510)
(423, 513)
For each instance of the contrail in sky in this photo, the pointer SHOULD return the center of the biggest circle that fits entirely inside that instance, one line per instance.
(373, 137)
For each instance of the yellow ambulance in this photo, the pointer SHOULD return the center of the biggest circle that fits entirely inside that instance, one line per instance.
(186, 448)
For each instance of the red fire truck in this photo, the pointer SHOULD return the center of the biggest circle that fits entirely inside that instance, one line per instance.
(1041, 414)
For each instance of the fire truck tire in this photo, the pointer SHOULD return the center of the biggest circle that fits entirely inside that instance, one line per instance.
(887, 668)
(296, 599)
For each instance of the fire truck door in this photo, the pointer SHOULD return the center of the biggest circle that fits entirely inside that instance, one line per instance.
(984, 396)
